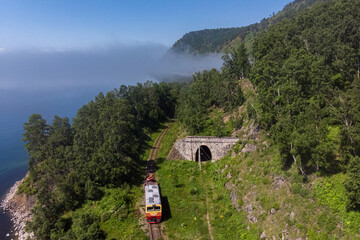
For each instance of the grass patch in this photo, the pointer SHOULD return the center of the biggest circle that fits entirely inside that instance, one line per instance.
(173, 133)
(190, 194)
(180, 183)
(330, 191)
(186, 189)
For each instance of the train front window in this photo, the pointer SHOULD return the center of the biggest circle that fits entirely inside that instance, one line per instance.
(157, 208)
(150, 209)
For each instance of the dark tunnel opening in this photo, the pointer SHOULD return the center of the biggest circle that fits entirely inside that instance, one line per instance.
(205, 153)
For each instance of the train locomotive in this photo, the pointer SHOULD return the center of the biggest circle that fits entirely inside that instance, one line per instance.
(153, 207)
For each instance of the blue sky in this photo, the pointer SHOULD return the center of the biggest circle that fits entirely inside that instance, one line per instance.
(72, 24)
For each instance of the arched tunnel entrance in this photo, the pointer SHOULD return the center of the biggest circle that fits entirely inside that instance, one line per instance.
(205, 153)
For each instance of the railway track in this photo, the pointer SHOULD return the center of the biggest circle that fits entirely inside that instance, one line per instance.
(155, 229)
(151, 165)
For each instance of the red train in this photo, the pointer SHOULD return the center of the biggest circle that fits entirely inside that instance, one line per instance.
(153, 207)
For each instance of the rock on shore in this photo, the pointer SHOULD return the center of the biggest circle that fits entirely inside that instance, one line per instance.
(19, 207)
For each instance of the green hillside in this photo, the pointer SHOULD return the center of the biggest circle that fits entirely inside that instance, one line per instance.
(294, 173)
(218, 40)
(295, 170)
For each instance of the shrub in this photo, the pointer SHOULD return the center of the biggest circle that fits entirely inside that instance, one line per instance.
(92, 190)
(289, 221)
(240, 202)
(219, 197)
(237, 148)
(295, 188)
(297, 178)
(276, 206)
(87, 227)
(304, 192)
(299, 226)
(250, 111)
(266, 181)
(264, 201)
(237, 121)
(353, 184)
(194, 191)
(27, 187)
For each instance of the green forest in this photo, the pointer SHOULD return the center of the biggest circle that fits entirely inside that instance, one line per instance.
(300, 84)
(306, 76)
(73, 163)
(219, 40)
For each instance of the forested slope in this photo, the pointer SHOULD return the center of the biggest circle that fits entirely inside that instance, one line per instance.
(307, 79)
(216, 40)
(306, 76)
(304, 94)
(98, 157)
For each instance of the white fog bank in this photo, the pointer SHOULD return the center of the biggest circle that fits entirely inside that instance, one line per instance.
(105, 67)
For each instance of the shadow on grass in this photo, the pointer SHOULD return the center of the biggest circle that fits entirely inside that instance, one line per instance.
(160, 160)
(151, 166)
(166, 213)
(287, 163)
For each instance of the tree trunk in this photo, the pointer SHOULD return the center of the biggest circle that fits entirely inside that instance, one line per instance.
(300, 165)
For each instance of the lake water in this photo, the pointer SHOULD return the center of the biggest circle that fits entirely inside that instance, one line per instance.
(15, 108)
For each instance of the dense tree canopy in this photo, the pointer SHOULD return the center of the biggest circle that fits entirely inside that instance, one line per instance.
(306, 72)
(70, 164)
(306, 75)
(213, 89)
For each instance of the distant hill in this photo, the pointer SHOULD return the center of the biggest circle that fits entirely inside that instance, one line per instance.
(218, 40)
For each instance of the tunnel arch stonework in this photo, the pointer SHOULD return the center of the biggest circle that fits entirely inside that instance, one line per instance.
(186, 148)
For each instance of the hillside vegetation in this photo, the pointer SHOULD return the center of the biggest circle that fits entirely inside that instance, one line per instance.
(86, 176)
(219, 40)
(302, 180)
(295, 171)
(306, 77)
(307, 80)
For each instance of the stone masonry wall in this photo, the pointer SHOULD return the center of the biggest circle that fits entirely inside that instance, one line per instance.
(187, 147)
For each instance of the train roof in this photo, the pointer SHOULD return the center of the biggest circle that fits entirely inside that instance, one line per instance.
(152, 194)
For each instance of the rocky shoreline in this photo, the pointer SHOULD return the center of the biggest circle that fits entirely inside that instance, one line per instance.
(19, 207)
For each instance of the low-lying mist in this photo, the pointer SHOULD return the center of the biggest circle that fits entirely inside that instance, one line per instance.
(104, 67)
(59, 82)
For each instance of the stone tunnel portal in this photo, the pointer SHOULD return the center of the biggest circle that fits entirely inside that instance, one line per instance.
(205, 153)
(210, 148)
